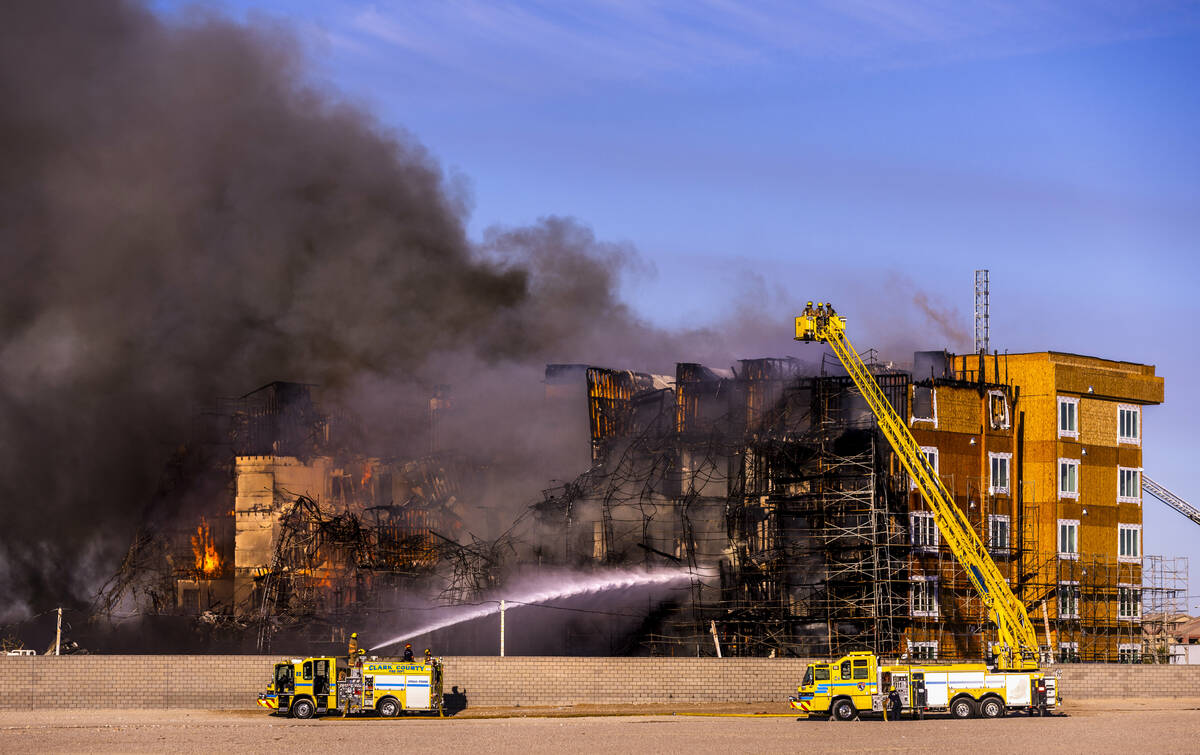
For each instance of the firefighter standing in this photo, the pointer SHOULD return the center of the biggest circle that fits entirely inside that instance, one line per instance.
(428, 657)
(408, 653)
(893, 704)
(352, 649)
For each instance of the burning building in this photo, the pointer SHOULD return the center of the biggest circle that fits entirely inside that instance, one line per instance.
(769, 482)
(282, 525)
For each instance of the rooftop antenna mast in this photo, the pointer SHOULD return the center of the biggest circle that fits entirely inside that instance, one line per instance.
(981, 311)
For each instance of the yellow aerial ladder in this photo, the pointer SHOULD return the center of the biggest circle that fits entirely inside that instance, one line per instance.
(1017, 647)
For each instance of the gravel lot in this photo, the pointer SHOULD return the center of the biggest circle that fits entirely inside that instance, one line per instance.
(1090, 726)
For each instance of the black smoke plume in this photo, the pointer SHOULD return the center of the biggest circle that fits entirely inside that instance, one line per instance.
(184, 215)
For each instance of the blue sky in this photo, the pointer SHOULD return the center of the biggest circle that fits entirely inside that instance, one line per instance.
(775, 152)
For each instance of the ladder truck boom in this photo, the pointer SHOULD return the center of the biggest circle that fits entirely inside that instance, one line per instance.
(1017, 646)
(1169, 498)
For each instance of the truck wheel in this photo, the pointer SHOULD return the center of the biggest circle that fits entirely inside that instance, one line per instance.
(991, 708)
(303, 709)
(844, 710)
(388, 707)
(963, 707)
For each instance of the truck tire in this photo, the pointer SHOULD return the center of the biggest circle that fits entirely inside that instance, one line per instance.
(303, 708)
(963, 707)
(843, 710)
(991, 707)
(388, 707)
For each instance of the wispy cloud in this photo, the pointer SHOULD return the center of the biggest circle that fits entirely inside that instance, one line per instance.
(539, 44)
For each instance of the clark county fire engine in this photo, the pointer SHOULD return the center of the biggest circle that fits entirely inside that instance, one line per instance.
(303, 688)
(859, 681)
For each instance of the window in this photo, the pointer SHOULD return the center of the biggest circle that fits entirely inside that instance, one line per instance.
(1128, 653)
(1129, 602)
(860, 669)
(822, 673)
(1000, 466)
(924, 651)
(844, 671)
(1068, 538)
(924, 531)
(1068, 600)
(1128, 421)
(761, 539)
(924, 407)
(1129, 485)
(1068, 652)
(1068, 478)
(999, 529)
(923, 600)
(931, 455)
(1068, 417)
(998, 410)
(308, 670)
(1129, 542)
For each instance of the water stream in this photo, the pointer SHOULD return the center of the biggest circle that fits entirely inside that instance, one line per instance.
(559, 586)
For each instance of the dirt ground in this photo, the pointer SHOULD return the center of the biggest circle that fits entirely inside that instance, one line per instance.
(1087, 726)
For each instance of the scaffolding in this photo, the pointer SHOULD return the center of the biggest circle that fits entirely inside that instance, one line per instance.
(1164, 606)
(778, 479)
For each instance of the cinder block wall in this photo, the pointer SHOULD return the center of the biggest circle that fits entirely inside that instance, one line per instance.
(1086, 680)
(230, 682)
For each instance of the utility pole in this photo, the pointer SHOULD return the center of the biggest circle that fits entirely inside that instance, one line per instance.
(58, 632)
(502, 607)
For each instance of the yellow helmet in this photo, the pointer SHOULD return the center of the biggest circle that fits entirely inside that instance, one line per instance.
(354, 634)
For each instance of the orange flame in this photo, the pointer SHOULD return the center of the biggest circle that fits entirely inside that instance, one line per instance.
(366, 475)
(207, 560)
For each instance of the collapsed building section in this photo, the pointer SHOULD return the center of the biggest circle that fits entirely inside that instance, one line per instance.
(271, 520)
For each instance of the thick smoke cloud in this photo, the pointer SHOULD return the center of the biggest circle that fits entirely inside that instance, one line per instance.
(183, 216)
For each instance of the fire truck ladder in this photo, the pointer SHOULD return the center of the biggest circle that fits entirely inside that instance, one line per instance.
(1169, 498)
(1017, 648)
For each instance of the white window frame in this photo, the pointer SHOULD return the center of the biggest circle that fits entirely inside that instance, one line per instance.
(1005, 423)
(931, 525)
(1072, 463)
(932, 405)
(1078, 598)
(1070, 555)
(1131, 648)
(1072, 652)
(992, 546)
(1129, 558)
(930, 645)
(1136, 438)
(930, 584)
(1137, 602)
(1058, 418)
(993, 488)
(1137, 487)
(929, 451)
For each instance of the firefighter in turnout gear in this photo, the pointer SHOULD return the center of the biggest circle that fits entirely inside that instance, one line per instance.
(408, 653)
(893, 705)
(352, 648)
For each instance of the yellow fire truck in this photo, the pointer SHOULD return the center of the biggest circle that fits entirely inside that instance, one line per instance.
(303, 688)
(859, 682)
